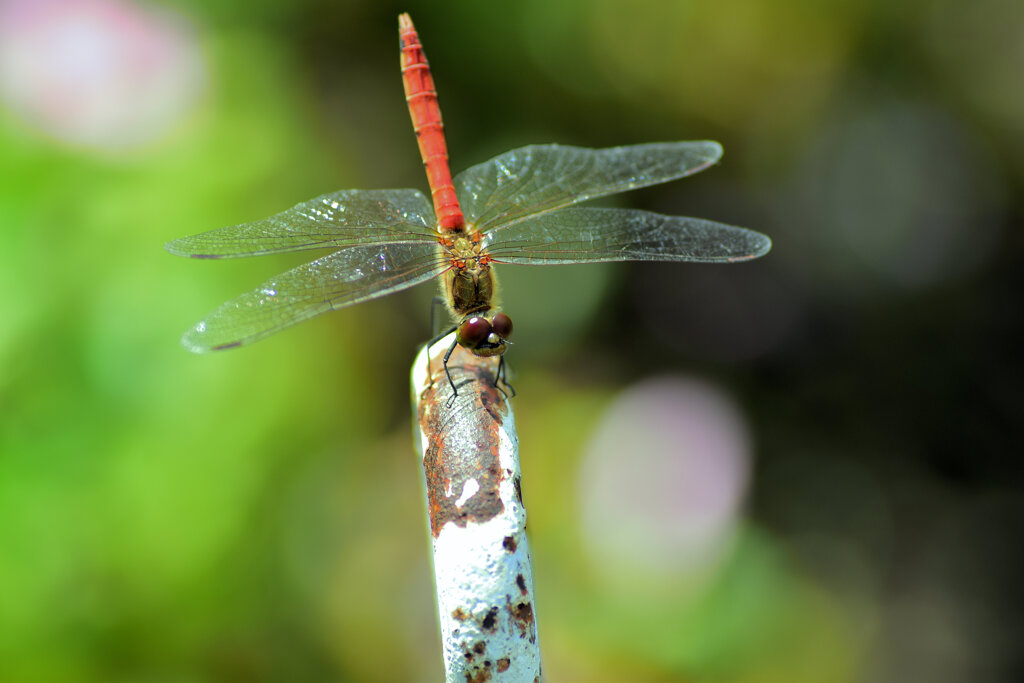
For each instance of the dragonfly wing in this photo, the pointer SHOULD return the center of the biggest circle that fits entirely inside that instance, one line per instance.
(340, 279)
(339, 219)
(540, 178)
(585, 235)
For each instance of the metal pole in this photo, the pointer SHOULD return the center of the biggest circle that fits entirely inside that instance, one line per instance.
(481, 557)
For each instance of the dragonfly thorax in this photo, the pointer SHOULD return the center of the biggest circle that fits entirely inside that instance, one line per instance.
(470, 287)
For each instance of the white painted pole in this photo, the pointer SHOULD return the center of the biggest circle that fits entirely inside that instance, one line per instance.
(482, 571)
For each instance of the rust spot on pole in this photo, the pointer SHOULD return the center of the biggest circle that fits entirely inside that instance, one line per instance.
(522, 617)
(490, 620)
(523, 613)
(461, 459)
(480, 672)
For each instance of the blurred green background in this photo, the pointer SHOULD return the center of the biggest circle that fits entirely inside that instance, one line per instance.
(805, 468)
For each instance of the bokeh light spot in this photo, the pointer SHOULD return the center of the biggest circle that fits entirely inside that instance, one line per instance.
(107, 74)
(902, 191)
(663, 480)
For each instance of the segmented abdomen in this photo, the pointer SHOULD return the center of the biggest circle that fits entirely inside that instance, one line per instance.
(426, 121)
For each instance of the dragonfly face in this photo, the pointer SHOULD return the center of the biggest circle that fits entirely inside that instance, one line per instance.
(483, 336)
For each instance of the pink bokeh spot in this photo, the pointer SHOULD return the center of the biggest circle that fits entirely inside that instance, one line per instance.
(664, 478)
(108, 74)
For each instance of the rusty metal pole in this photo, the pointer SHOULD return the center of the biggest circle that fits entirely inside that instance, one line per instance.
(481, 557)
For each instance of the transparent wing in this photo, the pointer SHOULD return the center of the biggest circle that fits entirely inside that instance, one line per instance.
(534, 180)
(584, 235)
(340, 279)
(339, 219)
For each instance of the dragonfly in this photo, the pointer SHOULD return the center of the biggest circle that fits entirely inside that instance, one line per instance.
(517, 208)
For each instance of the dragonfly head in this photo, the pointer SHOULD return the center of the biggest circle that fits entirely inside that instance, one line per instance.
(485, 337)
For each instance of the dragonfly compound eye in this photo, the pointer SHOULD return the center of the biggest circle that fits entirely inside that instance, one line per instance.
(473, 332)
(502, 325)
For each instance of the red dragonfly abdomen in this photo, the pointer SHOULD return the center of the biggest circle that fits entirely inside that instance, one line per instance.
(426, 121)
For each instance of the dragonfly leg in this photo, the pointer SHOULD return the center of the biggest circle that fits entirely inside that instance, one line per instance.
(455, 392)
(501, 377)
(433, 341)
